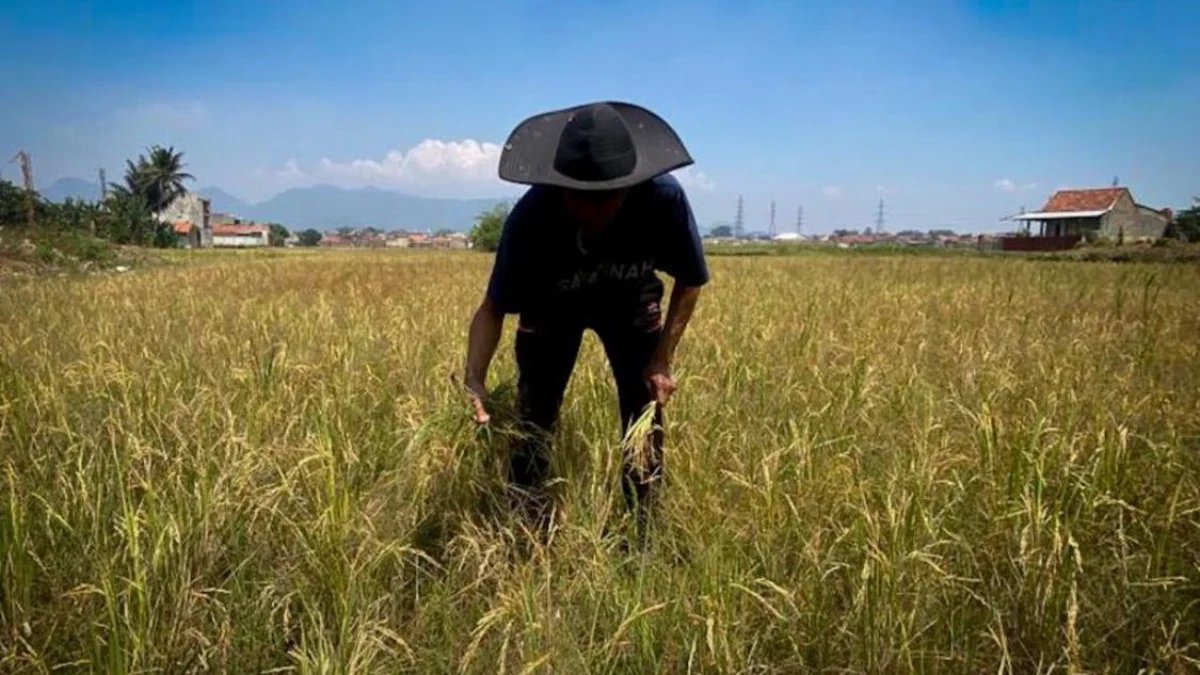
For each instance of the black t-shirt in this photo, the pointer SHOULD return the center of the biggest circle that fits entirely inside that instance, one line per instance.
(541, 263)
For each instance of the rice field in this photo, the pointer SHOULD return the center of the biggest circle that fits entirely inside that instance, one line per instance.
(258, 463)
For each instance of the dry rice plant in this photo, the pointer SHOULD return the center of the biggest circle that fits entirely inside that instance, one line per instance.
(257, 463)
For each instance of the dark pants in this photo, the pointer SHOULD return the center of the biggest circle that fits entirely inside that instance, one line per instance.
(546, 350)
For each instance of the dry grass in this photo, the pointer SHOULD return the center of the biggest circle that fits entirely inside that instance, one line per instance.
(875, 465)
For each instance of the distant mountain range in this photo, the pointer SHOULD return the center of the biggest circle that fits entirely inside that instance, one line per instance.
(323, 207)
(71, 187)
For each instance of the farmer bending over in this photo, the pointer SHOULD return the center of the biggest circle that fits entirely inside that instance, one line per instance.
(580, 250)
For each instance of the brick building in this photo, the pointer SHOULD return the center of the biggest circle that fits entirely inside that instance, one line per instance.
(1109, 213)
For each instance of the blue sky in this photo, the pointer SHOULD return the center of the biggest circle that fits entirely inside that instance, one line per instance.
(956, 113)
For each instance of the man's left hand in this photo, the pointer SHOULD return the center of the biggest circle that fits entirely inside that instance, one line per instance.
(658, 378)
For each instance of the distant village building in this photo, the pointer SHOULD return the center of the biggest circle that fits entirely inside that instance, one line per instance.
(1071, 215)
(192, 209)
(223, 219)
(394, 239)
(241, 236)
(456, 241)
(187, 234)
(448, 242)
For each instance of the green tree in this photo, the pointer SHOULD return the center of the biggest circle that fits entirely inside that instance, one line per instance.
(158, 178)
(75, 214)
(126, 219)
(12, 204)
(485, 235)
(309, 237)
(1186, 224)
(277, 234)
(721, 231)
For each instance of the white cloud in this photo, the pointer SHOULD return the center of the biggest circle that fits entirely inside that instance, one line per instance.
(430, 165)
(291, 169)
(436, 167)
(832, 191)
(1009, 185)
(165, 116)
(692, 179)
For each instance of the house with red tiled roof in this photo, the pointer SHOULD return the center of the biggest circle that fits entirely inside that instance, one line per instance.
(187, 234)
(240, 236)
(1109, 213)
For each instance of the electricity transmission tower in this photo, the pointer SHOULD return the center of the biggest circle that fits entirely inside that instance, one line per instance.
(799, 219)
(771, 227)
(103, 186)
(879, 218)
(739, 219)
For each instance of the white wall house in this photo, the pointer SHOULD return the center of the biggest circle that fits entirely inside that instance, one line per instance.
(241, 236)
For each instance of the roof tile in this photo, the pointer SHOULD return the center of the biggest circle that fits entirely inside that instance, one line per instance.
(235, 230)
(1098, 199)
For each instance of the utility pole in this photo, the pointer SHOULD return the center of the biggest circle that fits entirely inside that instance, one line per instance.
(738, 220)
(879, 218)
(103, 200)
(799, 219)
(771, 227)
(27, 173)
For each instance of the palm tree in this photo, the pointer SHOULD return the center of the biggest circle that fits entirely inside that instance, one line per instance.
(158, 178)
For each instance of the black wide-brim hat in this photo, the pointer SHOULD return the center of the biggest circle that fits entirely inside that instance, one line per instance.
(596, 146)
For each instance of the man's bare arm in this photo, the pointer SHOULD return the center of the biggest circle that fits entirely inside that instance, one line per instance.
(658, 371)
(679, 313)
(483, 337)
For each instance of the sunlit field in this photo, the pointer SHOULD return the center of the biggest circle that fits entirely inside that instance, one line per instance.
(250, 464)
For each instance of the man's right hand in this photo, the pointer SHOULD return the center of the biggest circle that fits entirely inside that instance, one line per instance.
(484, 334)
(478, 392)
